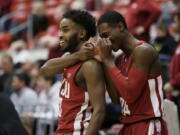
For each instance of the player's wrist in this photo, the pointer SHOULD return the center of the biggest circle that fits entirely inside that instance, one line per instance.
(76, 56)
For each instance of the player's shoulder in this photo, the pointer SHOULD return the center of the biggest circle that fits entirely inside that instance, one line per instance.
(144, 51)
(145, 48)
(91, 64)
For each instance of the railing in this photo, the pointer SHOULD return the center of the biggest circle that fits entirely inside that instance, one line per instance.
(26, 25)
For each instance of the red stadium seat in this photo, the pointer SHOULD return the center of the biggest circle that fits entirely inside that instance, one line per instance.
(24, 11)
(5, 39)
(21, 6)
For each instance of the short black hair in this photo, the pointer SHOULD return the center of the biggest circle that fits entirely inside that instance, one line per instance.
(112, 18)
(84, 19)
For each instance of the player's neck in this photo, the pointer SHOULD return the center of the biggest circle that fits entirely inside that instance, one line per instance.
(79, 45)
(129, 44)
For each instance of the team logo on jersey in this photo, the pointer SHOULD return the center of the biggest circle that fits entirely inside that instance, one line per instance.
(124, 106)
(65, 89)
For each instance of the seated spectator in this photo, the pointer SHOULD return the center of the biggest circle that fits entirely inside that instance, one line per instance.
(172, 88)
(168, 7)
(49, 95)
(5, 6)
(32, 70)
(10, 123)
(175, 27)
(164, 43)
(141, 14)
(23, 97)
(40, 21)
(18, 51)
(6, 66)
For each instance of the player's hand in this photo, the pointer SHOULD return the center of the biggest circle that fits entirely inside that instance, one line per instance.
(86, 52)
(104, 49)
(97, 56)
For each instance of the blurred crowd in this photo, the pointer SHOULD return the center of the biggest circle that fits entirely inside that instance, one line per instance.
(29, 36)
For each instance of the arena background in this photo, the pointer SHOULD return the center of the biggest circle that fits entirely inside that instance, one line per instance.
(29, 36)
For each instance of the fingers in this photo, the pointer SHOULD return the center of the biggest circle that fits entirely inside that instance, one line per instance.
(89, 50)
(89, 45)
(90, 53)
(108, 41)
(104, 42)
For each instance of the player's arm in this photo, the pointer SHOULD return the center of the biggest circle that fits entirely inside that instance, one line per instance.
(131, 87)
(57, 65)
(95, 83)
(111, 89)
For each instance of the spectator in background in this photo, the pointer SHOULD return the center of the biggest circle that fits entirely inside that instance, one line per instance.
(141, 14)
(40, 21)
(6, 64)
(164, 43)
(32, 70)
(168, 7)
(174, 29)
(49, 94)
(23, 97)
(173, 86)
(18, 51)
(10, 123)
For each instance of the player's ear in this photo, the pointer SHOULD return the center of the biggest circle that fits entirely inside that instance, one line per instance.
(82, 34)
(121, 26)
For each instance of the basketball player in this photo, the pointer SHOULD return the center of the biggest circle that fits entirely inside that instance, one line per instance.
(82, 94)
(136, 75)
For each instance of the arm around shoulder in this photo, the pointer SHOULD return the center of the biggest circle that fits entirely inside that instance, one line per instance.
(57, 65)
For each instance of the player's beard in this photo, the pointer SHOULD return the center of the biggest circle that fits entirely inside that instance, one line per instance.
(72, 44)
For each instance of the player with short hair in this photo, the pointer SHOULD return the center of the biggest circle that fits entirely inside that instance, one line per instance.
(82, 94)
(136, 75)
